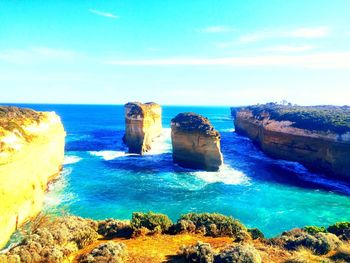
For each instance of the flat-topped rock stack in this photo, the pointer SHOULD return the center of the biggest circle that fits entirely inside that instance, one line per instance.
(31, 154)
(143, 123)
(196, 144)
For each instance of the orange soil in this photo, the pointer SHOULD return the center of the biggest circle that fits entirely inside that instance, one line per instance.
(162, 248)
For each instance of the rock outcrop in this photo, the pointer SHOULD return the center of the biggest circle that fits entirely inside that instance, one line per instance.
(31, 154)
(143, 123)
(196, 144)
(317, 137)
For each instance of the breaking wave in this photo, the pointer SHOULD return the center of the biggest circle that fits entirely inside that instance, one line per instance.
(70, 159)
(162, 144)
(110, 155)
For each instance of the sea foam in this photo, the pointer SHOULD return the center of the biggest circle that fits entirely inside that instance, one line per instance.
(110, 155)
(161, 144)
(226, 175)
(70, 159)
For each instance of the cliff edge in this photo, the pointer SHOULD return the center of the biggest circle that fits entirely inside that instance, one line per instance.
(316, 136)
(143, 123)
(31, 154)
(196, 144)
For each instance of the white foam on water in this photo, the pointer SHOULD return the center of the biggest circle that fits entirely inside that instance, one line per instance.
(70, 159)
(161, 144)
(226, 175)
(228, 130)
(110, 155)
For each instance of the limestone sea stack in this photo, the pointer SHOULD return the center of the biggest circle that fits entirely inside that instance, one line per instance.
(143, 123)
(31, 154)
(316, 136)
(196, 144)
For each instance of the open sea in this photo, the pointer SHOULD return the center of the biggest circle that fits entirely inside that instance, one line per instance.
(101, 180)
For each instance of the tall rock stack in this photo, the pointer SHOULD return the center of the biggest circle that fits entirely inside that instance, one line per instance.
(143, 123)
(196, 144)
(31, 154)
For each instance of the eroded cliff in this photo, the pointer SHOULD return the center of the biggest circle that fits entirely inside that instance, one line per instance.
(143, 123)
(318, 137)
(196, 144)
(31, 154)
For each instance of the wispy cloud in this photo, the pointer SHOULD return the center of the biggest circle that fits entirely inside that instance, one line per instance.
(217, 29)
(287, 48)
(304, 32)
(36, 54)
(335, 60)
(101, 13)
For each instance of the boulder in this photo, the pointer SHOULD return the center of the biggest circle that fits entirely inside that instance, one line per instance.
(143, 123)
(196, 144)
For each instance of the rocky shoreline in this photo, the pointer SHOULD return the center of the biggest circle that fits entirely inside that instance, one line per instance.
(31, 155)
(316, 136)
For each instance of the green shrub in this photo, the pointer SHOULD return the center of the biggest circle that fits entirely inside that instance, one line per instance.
(106, 252)
(152, 221)
(339, 228)
(110, 228)
(315, 229)
(239, 254)
(201, 253)
(255, 233)
(217, 225)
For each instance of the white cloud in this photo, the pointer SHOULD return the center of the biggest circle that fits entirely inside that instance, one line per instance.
(302, 32)
(36, 54)
(101, 13)
(286, 48)
(335, 60)
(217, 29)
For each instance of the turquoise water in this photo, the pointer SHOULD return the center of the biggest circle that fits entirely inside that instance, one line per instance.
(100, 180)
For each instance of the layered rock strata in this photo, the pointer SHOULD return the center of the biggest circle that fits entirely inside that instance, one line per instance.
(317, 137)
(143, 123)
(196, 144)
(31, 154)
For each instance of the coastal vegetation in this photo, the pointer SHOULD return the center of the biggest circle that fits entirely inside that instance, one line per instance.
(319, 118)
(205, 237)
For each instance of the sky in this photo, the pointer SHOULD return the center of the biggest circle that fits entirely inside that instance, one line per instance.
(175, 52)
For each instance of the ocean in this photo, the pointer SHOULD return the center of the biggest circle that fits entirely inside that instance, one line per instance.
(101, 180)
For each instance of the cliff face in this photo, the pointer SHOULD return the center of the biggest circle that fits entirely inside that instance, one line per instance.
(143, 123)
(196, 144)
(31, 154)
(324, 148)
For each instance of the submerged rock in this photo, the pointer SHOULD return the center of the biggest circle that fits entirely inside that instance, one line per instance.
(143, 123)
(196, 144)
(316, 136)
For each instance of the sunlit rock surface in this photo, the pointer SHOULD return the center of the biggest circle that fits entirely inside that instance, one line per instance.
(196, 144)
(31, 154)
(318, 136)
(143, 123)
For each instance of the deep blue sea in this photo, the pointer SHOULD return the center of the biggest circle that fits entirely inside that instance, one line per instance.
(100, 180)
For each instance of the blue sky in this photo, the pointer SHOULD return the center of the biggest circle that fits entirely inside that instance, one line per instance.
(202, 52)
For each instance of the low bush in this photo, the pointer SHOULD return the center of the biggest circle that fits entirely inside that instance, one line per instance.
(110, 252)
(110, 228)
(340, 229)
(200, 253)
(239, 254)
(321, 243)
(217, 225)
(315, 229)
(255, 233)
(156, 223)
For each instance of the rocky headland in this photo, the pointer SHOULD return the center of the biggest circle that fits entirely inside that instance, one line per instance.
(143, 123)
(196, 143)
(316, 136)
(31, 154)
(151, 237)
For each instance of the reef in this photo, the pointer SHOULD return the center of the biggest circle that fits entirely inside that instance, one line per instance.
(316, 136)
(31, 155)
(196, 143)
(143, 123)
(152, 237)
